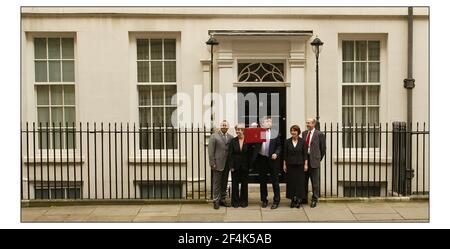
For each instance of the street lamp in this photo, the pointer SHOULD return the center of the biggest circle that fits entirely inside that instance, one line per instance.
(211, 42)
(316, 45)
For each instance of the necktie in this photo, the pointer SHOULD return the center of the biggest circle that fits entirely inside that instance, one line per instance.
(307, 140)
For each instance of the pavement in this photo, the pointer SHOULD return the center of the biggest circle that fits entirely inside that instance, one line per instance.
(402, 211)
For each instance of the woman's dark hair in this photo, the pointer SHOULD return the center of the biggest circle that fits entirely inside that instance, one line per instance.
(295, 128)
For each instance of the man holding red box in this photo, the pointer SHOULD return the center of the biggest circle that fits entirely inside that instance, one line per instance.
(267, 156)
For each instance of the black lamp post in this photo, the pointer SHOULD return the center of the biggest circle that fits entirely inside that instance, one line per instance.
(317, 48)
(211, 42)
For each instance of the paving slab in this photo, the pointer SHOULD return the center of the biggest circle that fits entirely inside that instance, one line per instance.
(371, 208)
(379, 217)
(122, 210)
(329, 212)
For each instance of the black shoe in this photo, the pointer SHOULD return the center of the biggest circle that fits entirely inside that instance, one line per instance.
(244, 205)
(298, 204)
(264, 204)
(224, 204)
(292, 204)
(235, 205)
(313, 203)
(216, 205)
(274, 206)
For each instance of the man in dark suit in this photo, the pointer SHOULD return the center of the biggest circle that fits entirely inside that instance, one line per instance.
(267, 160)
(315, 146)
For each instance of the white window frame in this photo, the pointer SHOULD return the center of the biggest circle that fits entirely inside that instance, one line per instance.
(61, 83)
(152, 152)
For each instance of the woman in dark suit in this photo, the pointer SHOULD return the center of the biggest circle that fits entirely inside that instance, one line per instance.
(239, 158)
(294, 161)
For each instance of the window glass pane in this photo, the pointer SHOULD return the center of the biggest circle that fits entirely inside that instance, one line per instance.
(40, 49)
(158, 134)
(145, 116)
(156, 71)
(70, 138)
(171, 138)
(68, 68)
(170, 91)
(54, 68)
(169, 112)
(347, 135)
(143, 71)
(361, 72)
(56, 95)
(373, 115)
(158, 116)
(144, 95)
(374, 72)
(361, 50)
(347, 50)
(57, 115)
(67, 48)
(373, 92)
(41, 193)
(69, 113)
(347, 72)
(57, 193)
(362, 135)
(156, 49)
(43, 115)
(57, 137)
(53, 48)
(142, 49)
(69, 95)
(169, 49)
(73, 193)
(42, 95)
(374, 50)
(157, 95)
(347, 95)
(170, 74)
(347, 116)
(360, 115)
(360, 95)
(40, 71)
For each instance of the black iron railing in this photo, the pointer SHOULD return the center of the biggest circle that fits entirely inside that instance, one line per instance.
(147, 161)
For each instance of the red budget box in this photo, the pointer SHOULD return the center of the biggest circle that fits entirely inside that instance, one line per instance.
(254, 135)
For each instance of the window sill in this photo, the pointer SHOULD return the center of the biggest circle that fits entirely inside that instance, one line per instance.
(37, 159)
(371, 160)
(150, 160)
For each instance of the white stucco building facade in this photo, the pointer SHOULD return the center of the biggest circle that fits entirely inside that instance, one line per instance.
(124, 65)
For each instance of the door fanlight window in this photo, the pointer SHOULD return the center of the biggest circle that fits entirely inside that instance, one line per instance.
(261, 72)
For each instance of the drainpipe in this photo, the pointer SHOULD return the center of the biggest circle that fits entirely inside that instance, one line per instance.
(409, 84)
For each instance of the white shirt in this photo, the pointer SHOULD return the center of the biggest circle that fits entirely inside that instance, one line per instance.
(265, 144)
(310, 138)
(294, 142)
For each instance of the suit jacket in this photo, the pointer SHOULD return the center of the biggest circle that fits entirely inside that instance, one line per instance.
(237, 158)
(274, 148)
(317, 148)
(218, 150)
(294, 155)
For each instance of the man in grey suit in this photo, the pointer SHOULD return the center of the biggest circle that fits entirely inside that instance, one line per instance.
(217, 152)
(315, 145)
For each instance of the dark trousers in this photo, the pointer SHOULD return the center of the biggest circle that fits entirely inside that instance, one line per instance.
(220, 183)
(266, 165)
(239, 176)
(314, 174)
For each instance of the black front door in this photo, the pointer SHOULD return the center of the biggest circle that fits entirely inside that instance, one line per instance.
(256, 102)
